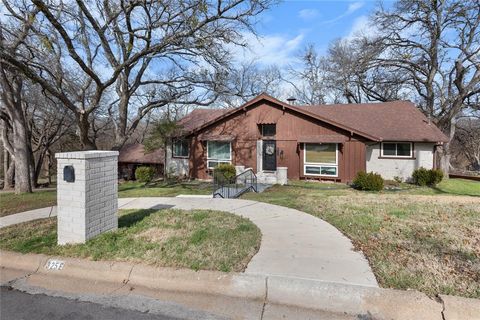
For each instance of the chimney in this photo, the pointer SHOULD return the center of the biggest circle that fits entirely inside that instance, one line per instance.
(291, 100)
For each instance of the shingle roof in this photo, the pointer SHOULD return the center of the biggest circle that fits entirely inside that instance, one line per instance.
(390, 121)
(199, 117)
(135, 153)
(387, 121)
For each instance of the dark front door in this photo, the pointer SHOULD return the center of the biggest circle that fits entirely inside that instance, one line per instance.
(269, 155)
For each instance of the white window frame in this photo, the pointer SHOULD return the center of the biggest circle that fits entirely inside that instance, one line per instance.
(219, 161)
(318, 164)
(396, 148)
(173, 149)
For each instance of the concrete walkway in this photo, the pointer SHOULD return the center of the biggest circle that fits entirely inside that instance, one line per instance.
(294, 243)
(30, 215)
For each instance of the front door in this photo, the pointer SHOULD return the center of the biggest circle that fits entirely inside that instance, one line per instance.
(269, 155)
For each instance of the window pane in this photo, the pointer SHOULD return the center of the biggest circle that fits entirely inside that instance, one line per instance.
(329, 171)
(181, 148)
(321, 153)
(212, 164)
(312, 170)
(403, 149)
(218, 150)
(389, 149)
(269, 130)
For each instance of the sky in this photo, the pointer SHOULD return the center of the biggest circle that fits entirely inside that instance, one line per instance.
(288, 27)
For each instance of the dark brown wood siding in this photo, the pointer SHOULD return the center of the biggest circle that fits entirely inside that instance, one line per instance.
(290, 126)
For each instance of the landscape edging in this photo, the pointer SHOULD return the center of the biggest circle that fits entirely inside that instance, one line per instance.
(274, 291)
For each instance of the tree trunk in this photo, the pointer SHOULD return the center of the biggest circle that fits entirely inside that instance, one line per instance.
(84, 129)
(10, 177)
(445, 153)
(9, 170)
(21, 151)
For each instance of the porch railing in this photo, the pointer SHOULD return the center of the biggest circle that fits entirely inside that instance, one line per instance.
(236, 186)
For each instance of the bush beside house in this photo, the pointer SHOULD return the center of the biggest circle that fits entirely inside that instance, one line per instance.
(368, 181)
(145, 174)
(424, 177)
(224, 172)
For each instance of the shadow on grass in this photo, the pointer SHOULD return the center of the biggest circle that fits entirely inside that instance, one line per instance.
(130, 219)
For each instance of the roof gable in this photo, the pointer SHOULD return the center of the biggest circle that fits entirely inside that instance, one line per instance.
(265, 97)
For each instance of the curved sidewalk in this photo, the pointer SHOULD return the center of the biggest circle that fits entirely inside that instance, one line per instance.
(294, 243)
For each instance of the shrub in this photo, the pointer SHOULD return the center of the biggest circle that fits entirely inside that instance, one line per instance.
(424, 177)
(145, 174)
(368, 181)
(421, 176)
(436, 176)
(224, 172)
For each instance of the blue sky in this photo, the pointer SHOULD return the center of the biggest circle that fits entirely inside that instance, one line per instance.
(290, 26)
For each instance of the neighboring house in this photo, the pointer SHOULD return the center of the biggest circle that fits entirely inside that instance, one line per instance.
(134, 155)
(327, 142)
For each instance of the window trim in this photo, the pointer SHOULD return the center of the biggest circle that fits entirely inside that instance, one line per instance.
(320, 164)
(383, 156)
(173, 149)
(229, 160)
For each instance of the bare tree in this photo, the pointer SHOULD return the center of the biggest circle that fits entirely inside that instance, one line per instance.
(467, 141)
(247, 81)
(309, 80)
(128, 57)
(435, 43)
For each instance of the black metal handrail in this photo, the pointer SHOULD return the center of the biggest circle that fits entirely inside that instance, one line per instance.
(236, 186)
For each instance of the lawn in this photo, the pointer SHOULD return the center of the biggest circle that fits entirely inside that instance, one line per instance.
(11, 203)
(162, 189)
(451, 186)
(197, 239)
(426, 242)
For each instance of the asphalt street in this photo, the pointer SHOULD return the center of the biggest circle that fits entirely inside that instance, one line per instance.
(18, 305)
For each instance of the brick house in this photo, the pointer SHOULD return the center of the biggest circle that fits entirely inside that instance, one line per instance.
(326, 142)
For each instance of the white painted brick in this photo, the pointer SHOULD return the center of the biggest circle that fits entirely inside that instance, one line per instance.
(88, 206)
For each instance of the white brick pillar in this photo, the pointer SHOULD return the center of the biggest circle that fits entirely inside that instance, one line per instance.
(88, 205)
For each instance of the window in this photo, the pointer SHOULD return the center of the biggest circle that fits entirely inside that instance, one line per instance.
(397, 149)
(269, 130)
(321, 159)
(181, 148)
(218, 152)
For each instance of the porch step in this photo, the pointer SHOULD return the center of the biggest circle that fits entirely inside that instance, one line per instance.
(267, 177)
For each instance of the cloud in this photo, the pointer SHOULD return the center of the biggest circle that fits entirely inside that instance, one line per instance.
(269, 49)
(362, 27)
(352, 7)
(308, 14)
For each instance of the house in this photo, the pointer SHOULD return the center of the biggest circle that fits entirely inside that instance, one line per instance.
(134, 155)
(326, 142)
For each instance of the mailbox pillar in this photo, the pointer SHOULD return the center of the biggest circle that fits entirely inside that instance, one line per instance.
(86, 194)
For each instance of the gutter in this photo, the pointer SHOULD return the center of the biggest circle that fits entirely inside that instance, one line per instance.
(232, 295)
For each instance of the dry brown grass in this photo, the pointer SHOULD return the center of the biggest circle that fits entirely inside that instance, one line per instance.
(429, 243)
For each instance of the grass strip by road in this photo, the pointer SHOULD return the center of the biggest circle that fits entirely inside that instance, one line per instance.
(428, 243)
(197, 239)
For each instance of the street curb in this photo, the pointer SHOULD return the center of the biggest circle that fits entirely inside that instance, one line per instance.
(268, 297)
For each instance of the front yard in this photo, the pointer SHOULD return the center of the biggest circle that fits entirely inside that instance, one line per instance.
(414, 237)
(426, 242)
(197, 239)
(11, 203)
